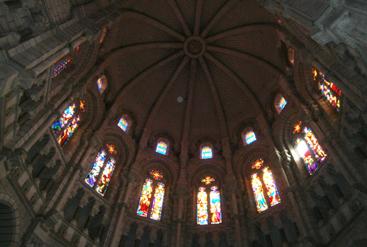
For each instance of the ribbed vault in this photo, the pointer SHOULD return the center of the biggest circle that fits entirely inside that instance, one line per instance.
(193, 69)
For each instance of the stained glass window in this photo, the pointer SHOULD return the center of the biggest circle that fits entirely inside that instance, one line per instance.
(308, 147)
(152, 196)
(206, 152)
(102, 169)
(103, 35)
(61, 65)
(280, 103)
(67, 124)
(208, 203)
(327, 88)
(123, 123)
(263, 186)
(162, 147)
(102, 83)
(248, 137)
(291, 55)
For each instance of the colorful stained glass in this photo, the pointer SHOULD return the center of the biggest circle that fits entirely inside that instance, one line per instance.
(206, 152)
(309, 149)
(123, 123)
(145, 198)
(105, 178)
(207, 180)
(157, 175)
(258, 164)
(152, 185)
(328, 89)
(157, 202)
(258, 191)
(161, 147)
(102, 83)
(202, 207)
(271, 187)
(61, 65)
(97, 166)
(249, 137)
(215, 210)
(102, 169)
(280, 104)
(65, 127)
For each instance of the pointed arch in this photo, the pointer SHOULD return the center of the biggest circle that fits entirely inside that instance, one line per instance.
(308, 148)
(263, 186)
(100, 174)
(152, 196)
(208, 201)
(67, 124)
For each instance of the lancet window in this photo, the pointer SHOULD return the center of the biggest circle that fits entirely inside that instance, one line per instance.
(67, 124)
(124, 123)
(280, 103)
(308, 147)
(102, 83)
(152, 196)
(208, 202)
(162, 147)
(102, 169)
(206, 152)
(61, 66)
(329, 91)
(248, 137)
(263, 185)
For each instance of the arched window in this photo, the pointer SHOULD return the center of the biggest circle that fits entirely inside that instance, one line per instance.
(102, 169)
(327, 89)
(291, 55)
(263, 186)
(308, 147)
(123, 123)
(280, 103)
(66, 125)
(248, 137)
(102, 35)
(152, 196)
(208, 202)
(162, 147)
(61, 65)
(102, 83)
(206, 152)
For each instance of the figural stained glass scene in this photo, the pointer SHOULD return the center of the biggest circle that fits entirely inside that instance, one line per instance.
(263, 185)
(328, 89)
(208, 206)
(152, 196)
(183, 123)
(68, 123)
(308, 148)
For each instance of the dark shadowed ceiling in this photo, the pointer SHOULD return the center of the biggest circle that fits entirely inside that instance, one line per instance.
(193, 69)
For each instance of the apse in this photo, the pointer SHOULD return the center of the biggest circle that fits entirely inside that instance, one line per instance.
(186, 123)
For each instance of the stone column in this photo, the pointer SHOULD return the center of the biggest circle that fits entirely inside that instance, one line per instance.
(123, 202)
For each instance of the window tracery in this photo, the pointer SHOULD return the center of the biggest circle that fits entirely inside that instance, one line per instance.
(102, 169)
(208, 202)
(329, 91)
(67, 124)
(263, 186)
(308, 148)
(152, 196)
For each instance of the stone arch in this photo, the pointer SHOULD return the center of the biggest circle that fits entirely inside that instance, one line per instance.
(9, 221)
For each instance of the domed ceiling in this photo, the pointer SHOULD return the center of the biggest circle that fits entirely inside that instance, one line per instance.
(192, 69)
